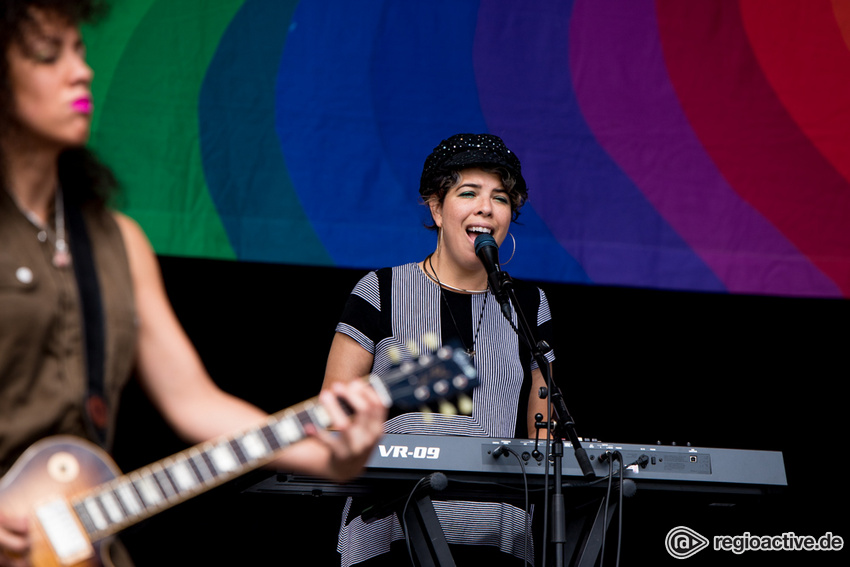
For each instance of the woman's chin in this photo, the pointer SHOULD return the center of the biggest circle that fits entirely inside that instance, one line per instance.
(72, 143)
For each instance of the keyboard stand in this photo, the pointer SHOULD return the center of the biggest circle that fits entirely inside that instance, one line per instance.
(585, 528)
(426, 534)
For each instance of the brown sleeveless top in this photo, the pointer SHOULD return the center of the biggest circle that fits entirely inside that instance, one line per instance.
(42, 373)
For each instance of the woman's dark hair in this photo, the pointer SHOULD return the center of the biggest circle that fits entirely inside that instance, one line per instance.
(83, 177)
(487, 152)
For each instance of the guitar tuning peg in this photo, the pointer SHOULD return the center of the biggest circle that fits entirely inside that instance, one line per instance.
(412, 348)
(464, 404)
(446, 408)
(430, 341)
(394, 354)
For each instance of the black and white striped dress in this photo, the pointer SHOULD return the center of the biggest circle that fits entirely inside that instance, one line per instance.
(394, 306)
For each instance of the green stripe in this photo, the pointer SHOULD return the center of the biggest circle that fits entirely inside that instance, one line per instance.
(154, 54)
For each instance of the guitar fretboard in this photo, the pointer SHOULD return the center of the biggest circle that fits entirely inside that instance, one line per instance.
(127, 499)
(142, 493)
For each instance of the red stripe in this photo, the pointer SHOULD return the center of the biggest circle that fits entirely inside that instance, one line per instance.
(841, 8)
(750, 135)
(803, 55)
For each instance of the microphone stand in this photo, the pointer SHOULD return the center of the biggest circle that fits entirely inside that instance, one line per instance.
(563, 426)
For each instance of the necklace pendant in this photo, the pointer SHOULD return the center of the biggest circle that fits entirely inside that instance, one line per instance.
(61, 258)
(470, 352)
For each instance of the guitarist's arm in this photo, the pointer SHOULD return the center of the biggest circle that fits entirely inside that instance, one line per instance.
(173, 375)
(348, 364)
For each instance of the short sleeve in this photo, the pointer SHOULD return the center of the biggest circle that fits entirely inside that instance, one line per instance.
(544, 327)
(361, 316)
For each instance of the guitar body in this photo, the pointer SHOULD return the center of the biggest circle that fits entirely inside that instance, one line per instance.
(55, 467)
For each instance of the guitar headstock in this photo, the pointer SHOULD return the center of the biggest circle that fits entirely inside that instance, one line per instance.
(430, 380)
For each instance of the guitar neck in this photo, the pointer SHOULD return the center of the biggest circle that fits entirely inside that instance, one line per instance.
(71, 521)
(130, 498)
(140, 494)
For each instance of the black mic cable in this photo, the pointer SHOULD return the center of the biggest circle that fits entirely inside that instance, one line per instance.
(501, 450)
(435, 481)
(623, 487)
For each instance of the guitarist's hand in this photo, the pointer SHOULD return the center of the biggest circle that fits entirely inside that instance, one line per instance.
(358, 433)
(14, 541)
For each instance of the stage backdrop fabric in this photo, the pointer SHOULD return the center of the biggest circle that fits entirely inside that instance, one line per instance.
(677, 145)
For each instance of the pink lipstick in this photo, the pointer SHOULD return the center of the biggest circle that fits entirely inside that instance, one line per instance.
(83, 105)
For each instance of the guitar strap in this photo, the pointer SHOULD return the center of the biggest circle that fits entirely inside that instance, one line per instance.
(93, 325)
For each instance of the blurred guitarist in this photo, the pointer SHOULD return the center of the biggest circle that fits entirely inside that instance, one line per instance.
(82, 302)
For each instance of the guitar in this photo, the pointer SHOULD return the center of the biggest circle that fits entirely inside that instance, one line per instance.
(76, 498)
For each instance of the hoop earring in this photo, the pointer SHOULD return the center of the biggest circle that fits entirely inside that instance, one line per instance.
(512, 251)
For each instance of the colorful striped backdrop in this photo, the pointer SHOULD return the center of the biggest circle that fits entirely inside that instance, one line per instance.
(667, 144)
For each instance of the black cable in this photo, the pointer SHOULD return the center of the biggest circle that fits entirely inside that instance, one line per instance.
(608, 479)
(499, 451)
(605, 501)
(545, 543)
(620, 513)
(615, 456)
(419, 483)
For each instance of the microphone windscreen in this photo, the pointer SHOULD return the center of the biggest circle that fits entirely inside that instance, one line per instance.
(483, 240)
(438, 481)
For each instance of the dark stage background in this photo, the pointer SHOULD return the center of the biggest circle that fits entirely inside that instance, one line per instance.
(636, 366)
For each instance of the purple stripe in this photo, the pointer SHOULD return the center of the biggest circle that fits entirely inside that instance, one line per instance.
(591, 207)
(625, 95)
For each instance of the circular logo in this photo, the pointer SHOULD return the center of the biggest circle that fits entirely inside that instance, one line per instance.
(682, 542)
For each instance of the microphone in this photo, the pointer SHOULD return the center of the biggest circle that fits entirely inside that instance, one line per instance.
(488, 252)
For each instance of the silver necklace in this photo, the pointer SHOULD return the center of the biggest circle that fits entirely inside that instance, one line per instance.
(469, 350)
(61, 254)
(437, 281)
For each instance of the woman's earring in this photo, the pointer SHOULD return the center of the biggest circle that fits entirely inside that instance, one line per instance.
(512, 251)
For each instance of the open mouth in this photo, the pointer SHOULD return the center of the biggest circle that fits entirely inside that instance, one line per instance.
(474, 231)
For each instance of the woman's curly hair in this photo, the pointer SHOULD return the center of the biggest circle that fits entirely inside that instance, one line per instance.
(81, 174)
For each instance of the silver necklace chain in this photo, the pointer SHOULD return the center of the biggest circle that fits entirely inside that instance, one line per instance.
(61, 253)
(469, 350)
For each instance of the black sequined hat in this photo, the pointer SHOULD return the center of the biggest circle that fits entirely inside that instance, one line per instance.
(469, 150)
